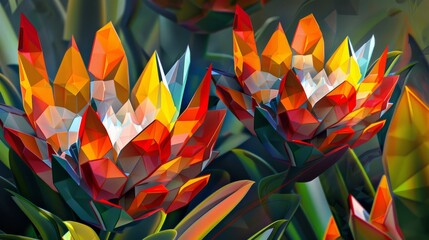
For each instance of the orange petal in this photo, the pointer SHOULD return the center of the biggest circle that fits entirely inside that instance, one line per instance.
(360, 227)
(190, 120)
(200, 146)
(105, 180)
(372, 81)
(335, 105)
(337, 138)
(109, 62)
(147, 199)
(369, 132)
(145, 153)
(308, 40)
(299, 125)
(71, 85)
(381, 203)
(94, 139)
(292, 94)
(332, 232)
(277, 55)
(33, 77)
(246, 58)
(239, 103)
(188, 191)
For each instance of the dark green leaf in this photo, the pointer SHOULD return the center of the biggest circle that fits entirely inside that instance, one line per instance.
(169, 234)
(38, 192)
(273, 231)
(141, 228)
(255, 166)
(281, 206)
(15, 237)
(12, 219)
(45, 224)
(271, 184)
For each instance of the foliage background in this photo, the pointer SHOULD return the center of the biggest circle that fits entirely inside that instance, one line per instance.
(398, 24)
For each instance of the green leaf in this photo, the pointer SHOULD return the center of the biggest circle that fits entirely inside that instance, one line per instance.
(314, 205)
(231, 141)
(201, 220)
(115, 10)
(141, 228)
(169, 234)
(8, 41)
(255, 166)
(271, 184)
(336, 193)
(273, 231)
(392, 54)
(8, 91)
(281, 206)
(79, 231)
(395, 55)
(38, 192)
(46, 225)
(15, 237)
(14, 220)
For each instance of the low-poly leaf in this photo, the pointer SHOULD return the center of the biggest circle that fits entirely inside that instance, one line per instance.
(255, 166)
(273, 231)
(46, 225)
(201, 220)
(272, 183)
(141, 228)
(79, 231)
(169, 234)
(38, 192)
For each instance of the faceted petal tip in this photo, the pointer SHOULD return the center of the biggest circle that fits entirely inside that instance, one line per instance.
(381, 202)
(72, 83)
(332, 232)
(177, 77)
(28, 37)
(246, 58)
(94, 139)
(35, 85)
(308, 40)
(193, 116)
(73, 43)
(277, 55)
(360, 227)
(344, 61)
(151, 97)
(109, 62)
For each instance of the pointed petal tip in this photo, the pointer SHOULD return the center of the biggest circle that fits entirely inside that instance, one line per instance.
(242, 20)
(280, 27)
(28, 36)
(108, 25)
(310, 17)
(238, 9)
(73, 43)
